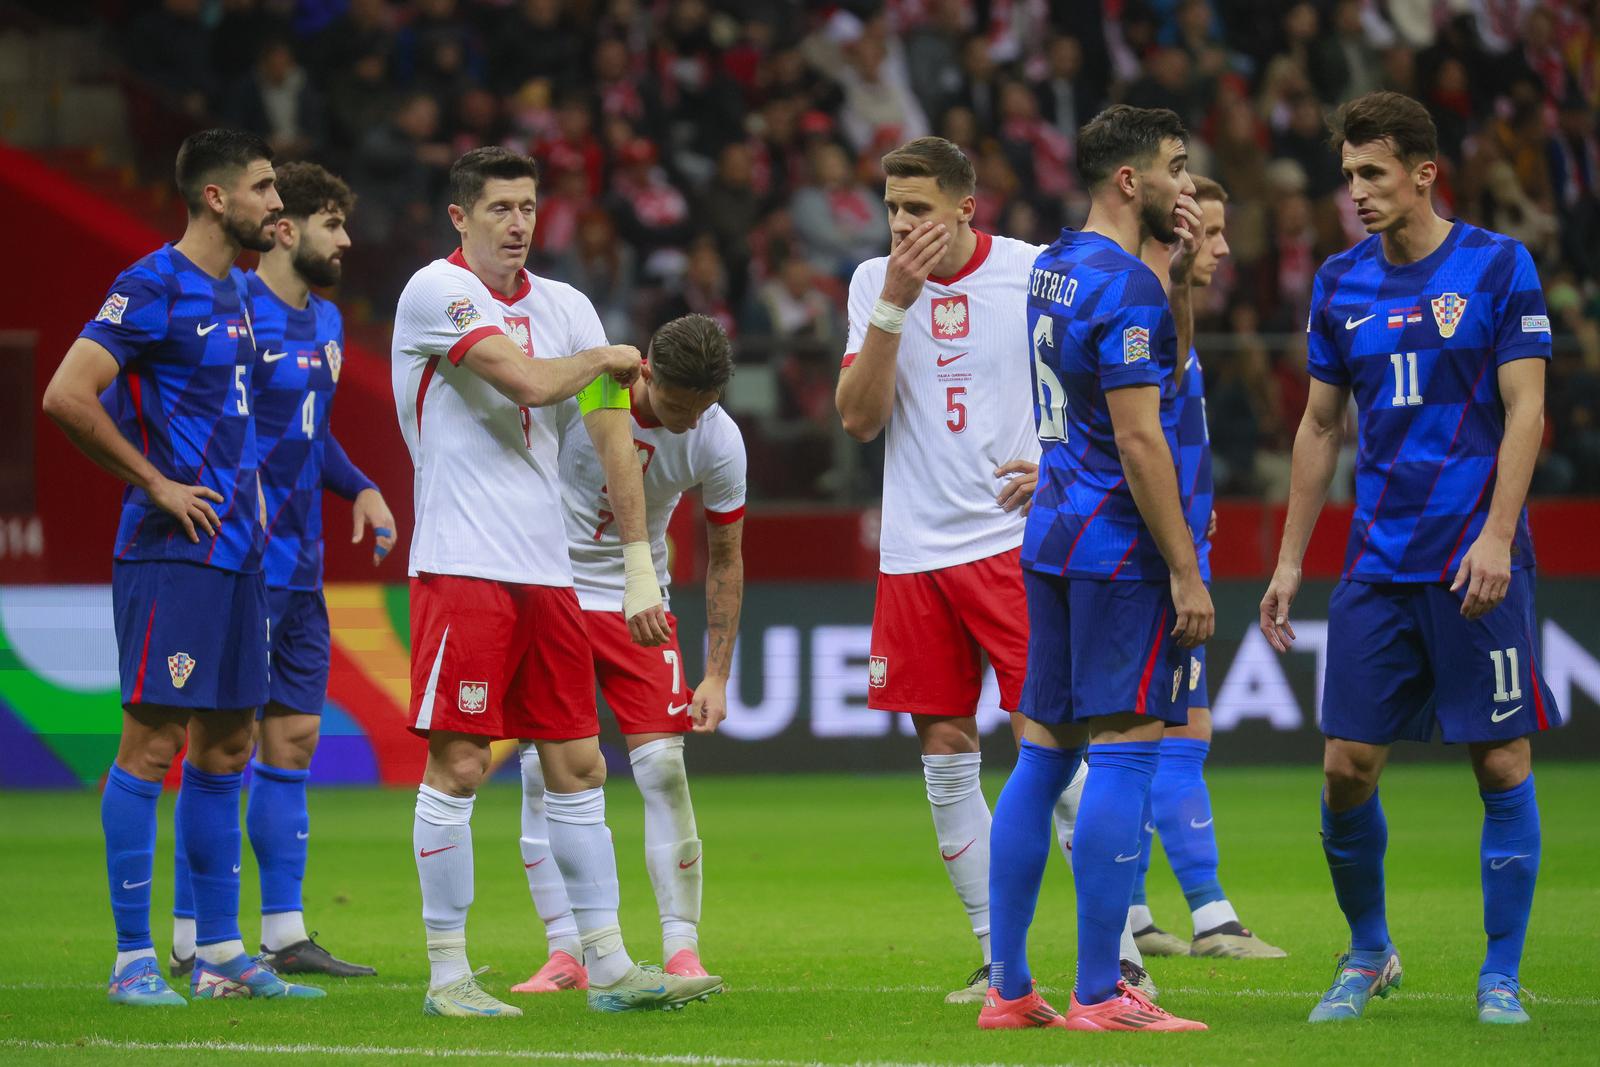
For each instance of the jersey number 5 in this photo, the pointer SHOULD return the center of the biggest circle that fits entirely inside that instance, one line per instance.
(955, 409)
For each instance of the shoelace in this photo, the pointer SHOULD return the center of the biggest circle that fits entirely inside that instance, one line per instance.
(981, 972)
(1143, 1001)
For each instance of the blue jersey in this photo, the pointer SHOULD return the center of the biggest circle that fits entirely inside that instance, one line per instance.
(1099, 321)
(1194, 460)
(183, 341)
(296, 374)
(1418, 346)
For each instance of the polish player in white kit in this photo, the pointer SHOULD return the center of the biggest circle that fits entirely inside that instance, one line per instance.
(684, 440)
(483, 355)
(938, 356)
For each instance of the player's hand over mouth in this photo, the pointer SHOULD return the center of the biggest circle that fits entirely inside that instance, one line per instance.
(911, 261)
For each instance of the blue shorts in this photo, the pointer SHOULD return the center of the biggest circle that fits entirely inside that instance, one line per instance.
(1402, 660)
(301, 649)
(1199, 685)
(190, 636)
(1101, 648)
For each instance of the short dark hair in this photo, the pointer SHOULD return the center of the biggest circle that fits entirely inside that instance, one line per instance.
(1122, 135)
(1204, 189)
(692, 352)
(470, 173)
(306, 188)
(1386, 116)
(936, 158)
(210, 154)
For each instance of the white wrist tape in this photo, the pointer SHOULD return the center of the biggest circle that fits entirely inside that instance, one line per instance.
(640, 589)
(886, 317)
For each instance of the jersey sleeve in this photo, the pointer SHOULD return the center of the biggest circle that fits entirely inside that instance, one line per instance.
(1521, 321)
(339, 475)
(859, 311)
(132, 318)
(723, 491)
(1324, 361)
(446, 314)
(1125, 337)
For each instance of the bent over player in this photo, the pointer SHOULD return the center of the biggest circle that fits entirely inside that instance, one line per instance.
(173, 338)
(1438, 329)
(933, 356)
(301, 339)
(684, 440)
(483, 354)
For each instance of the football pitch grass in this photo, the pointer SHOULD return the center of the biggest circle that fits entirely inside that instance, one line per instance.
(828, 913)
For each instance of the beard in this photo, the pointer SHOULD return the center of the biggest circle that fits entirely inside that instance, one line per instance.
(252, 234)
(1156, 222)
(320, 271)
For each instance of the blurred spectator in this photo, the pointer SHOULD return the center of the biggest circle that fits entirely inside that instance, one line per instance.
(535, 39)
(933, 55)
(366, 28)
(840, 223)
(476, 121)
(795, 304)
(399, 168)
(574, 142)
(621, 91)
(651, 214)
(359, 99)
(703, 289)
(1305, 140)
(1362, 63)
(437, 52)
(243, 31)
(563, 201)
(1040, 154)
(602, 269)
(729, 210)
(880, 110)
(1574, 168)
(1066, 99)
(277, 101)
(170, 48)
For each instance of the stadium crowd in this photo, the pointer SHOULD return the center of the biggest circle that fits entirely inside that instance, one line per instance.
(722, 157)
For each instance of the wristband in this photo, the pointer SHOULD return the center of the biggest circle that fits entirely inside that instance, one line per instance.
(886, 317)
(640, 589)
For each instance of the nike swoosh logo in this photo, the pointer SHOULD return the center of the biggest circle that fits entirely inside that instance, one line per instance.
(1351, 324)
(1201, 825)
(682, 866)
(1149, 827)
(301, 835)
(272, 357)
(1495, 716)
(1495, 865)
(426, 852)
(677, 709)
(203, 330)
(1120, 858)
(134, 885)
(535, 863)
(235, 868)
(943, 362)
(957, 855)
(657, 989)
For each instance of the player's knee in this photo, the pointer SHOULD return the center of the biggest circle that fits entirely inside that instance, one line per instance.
(947, 737)
(1350, 780)
(1502, 767)
(456, 766)
(572, 766)
(150, 756)
(658, 767)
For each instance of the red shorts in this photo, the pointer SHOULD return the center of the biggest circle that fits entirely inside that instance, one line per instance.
(931, 629)
(499, 660)
(643, 687)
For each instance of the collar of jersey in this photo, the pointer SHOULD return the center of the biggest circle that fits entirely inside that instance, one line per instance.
(980, 252)
(505, 298)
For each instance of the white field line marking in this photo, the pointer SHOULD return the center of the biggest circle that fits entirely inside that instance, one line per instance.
(541, 1055)
(1533, 999)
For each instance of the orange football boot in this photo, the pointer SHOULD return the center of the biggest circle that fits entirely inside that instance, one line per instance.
(686, 964)
(1027, 1012)
(1128, 1010)
(560, 972)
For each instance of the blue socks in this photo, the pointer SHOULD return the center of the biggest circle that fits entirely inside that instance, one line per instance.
(1354, 842)
(279, 825)
(1019, 847)
(1147, 839)
(128, 818)
(1510, 860)
(182, 888)
(1105, 854)
(1182, 807)
(208, 819)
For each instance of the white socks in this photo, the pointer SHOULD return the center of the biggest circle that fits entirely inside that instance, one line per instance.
(283, 929)
(671, 845)
(961, 821)
(1212, 915)
(441, 835)
(125, 958)
(1130, 947)
(544, 875)
(1066, 813)
(221, 952)
(1139, 917)
(182, 938)
(581, 842)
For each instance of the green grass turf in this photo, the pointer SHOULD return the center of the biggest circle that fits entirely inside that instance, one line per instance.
(827, 910)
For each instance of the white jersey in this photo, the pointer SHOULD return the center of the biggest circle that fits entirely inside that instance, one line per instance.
(963, 405)
(710, 456)
(487, 492)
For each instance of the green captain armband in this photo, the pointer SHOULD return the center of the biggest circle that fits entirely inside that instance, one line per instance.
(604, 392)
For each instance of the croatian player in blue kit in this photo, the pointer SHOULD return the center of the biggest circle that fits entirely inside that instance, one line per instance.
(174, 337)
(1115, 595)
(1439, 331)
(301, 340)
